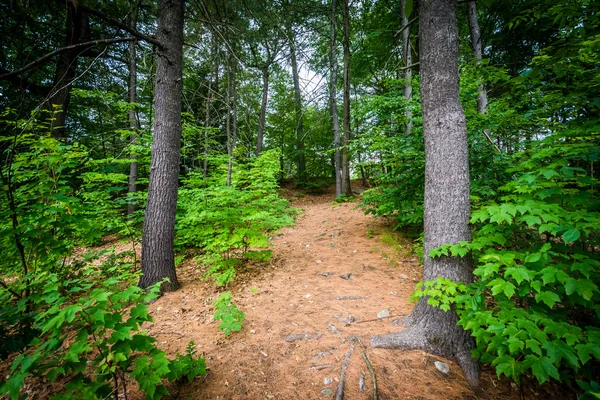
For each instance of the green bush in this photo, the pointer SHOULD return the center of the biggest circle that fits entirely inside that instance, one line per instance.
(230, 224)
(88, 328)
(535, 306)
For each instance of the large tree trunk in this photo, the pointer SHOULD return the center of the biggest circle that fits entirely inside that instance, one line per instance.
(158, 259)
(228, 124)
(300, 157)
(77, 31)
(346, 189)
(263, 110)
(333, 102)
(447, 204)
(234, 116)
(407, 63)
(134, 124)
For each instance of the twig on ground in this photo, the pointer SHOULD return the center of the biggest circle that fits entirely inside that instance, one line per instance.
(339, 393)
(320, 367)
(377, 319)
(372, 371)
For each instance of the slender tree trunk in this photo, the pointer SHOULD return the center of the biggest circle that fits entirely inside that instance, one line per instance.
(134, 124)
(263, 110)
(158, 258)
(333, 102)
(300, 157)
(234, 116)
(346, 189)
(77, 31)
(447, 204)
(407, 71)
(482, 101)
(206, 129)
(228, 125)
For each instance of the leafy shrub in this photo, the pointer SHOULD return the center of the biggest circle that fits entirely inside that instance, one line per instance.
(230, 316)
(535, 307)
(88, 329)
(229, 223)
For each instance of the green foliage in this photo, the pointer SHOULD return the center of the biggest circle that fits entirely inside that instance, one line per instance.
(88, 329)
(535, 306)
(231, 223)
(230, 316)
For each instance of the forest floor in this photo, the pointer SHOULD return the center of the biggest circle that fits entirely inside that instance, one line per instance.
(318, 297)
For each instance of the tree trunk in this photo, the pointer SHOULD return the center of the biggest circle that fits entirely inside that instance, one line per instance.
(407, 71)
(333, 102)
(300, 157)
(346, 189)
(263, 111)
(77, 31)
(447, 204)
(134, 124)
(482, 101)
(228, 125)
(158, 258)
(234, 116)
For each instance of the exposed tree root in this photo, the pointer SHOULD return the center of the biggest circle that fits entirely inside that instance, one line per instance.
(339, 393)
(437, 342)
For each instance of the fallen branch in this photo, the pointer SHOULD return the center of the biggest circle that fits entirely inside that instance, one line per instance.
(339, 393)
(372, 371)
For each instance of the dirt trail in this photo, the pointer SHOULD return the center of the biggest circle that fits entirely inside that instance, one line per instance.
(293, 298)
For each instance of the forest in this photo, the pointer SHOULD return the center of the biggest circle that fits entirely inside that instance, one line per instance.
(198, 195)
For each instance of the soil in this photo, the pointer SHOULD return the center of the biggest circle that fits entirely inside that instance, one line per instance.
(318, 298)
(303, 316)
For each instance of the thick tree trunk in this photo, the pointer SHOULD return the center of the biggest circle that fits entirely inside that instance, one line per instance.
(134, 124)
(407, 70)
(333, 102)
(77, 31)
(447, 204)
(263, 111)
(346, 189)
(158, 259)
(300, 157)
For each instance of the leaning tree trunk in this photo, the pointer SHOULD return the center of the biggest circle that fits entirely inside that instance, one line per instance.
(158, 259)
(300, 158)
(346, 189)
(407, 68)
(334, 111)
(134, 124)
(263, 110)
(447, 204)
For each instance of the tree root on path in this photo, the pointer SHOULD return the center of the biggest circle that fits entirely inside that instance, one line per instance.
(339, 393)
(372, 371)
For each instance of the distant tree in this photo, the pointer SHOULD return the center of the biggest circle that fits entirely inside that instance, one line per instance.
(447, 189)
(158, 258)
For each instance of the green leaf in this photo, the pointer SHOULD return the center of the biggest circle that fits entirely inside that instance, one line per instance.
(549, 298)
(571, 235)
(543, 369)
(408, 8)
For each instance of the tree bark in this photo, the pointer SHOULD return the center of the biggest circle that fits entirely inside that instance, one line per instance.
(447, 204)
(263, 110)
(77, 31)
(228, 124)
(407, 69)
(134, 124)
(346, 189)
(234, 116)
(300, 157)
(158, 258)
(333, 102)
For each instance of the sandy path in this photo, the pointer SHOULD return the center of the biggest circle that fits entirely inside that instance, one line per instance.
(289, 297)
